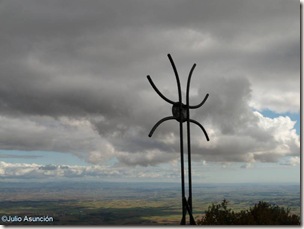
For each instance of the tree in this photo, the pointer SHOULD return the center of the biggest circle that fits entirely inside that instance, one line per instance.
(262, 213)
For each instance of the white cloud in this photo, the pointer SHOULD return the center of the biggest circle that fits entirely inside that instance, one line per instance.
(263, 140)
(283, 132)
(35, 171)
(292, 161)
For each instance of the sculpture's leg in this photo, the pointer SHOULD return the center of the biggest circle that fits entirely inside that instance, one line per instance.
(158, 123)
(203, 129)
(158, 92)
(192, 221)
(201, 104)
(183, 220)
(177, 79)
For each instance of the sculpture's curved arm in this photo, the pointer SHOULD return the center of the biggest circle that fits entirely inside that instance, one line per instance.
(188, 85)
(158, 92)
(199, 105)
(203, 129)
(177, 79)
(158, 123)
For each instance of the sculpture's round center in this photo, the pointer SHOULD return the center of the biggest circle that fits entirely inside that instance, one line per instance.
(179, 112)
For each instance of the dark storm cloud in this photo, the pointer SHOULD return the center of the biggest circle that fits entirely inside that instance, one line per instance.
(79, 59)
(71, 53)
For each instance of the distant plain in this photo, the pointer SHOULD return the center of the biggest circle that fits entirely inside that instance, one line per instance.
(109, 203)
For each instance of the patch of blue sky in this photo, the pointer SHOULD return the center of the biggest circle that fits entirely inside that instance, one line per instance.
(40, 157)
(293, 116)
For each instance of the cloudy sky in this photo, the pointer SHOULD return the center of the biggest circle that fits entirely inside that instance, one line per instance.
(75, 101)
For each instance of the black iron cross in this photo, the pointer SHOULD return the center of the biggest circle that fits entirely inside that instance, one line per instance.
(180, 112)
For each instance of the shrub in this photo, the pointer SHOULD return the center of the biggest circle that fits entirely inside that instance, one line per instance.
(262, 213)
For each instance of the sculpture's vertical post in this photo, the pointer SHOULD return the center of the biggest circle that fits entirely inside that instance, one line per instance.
(192, 222)
(183, 221)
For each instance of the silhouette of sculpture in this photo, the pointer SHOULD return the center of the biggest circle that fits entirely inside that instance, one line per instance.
(180, 112)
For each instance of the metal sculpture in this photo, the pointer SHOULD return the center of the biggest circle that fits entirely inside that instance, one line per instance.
(181, 113)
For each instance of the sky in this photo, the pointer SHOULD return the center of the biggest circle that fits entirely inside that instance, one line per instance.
(75, 102)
